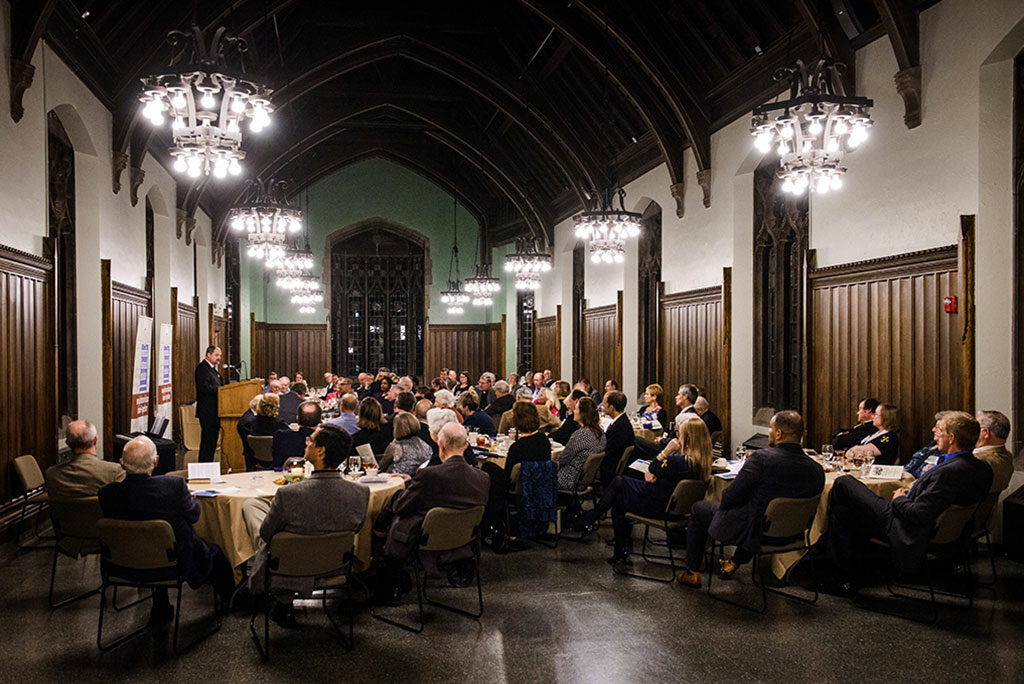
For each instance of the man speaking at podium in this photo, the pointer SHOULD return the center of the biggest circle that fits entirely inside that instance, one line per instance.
(207, 382)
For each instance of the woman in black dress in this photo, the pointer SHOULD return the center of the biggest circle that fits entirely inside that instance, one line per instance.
(373, 429)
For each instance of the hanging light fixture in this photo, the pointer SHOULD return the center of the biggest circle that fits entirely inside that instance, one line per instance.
(265, 215)
(482, 286)
(527, 259)
(308, 298)
(527, 281)
(813, 129)
(607, 229)
(207, 104)
(454, 296)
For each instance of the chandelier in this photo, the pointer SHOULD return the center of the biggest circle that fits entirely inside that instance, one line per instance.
(294, 270)
(813, 129)
(265, 215)
(482, 286)
(527, 281)
(527, 259)
(608, 229)
(454, 296)
(207, 104)
(308, 298)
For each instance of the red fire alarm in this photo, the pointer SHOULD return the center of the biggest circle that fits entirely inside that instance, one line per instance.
(949, 304)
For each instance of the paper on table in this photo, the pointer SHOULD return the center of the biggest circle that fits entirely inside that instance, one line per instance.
(203, 471)
(640, 466)
(886, 472)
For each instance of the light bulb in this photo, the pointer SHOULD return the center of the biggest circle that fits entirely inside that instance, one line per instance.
(207, 101)
(815, 128)
(840, 127)
(234, 168)
(595, 258)
(178, 101)
(219, 171)
(822, 186)
(783, 148)
(179, 164)
(193, 171)
(237, 105)
(233, 126)
(255, 126)
(787, 185)
(178, 123)
(237, 223)
(833, 145)
(619, 257)
(808, 146)
(763, 143)
(786, 132)
(836, 182)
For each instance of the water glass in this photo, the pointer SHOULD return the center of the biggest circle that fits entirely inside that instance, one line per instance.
(827, 452)
(741, 453)
(355, 464)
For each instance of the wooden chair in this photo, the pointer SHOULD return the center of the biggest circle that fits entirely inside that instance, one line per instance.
(33, 487)
(326, 558)
(444, 529)
(262, 449)
(77, 536)
(787, 521)
(584, 481)
(624, 460)
(676, 515)
(140, 554)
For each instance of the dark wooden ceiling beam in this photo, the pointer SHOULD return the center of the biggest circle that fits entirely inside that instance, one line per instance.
(900, 19)
(832, 39)
(710, 21)
(28, 23)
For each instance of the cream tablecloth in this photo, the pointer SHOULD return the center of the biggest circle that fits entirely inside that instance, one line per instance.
(220, 517)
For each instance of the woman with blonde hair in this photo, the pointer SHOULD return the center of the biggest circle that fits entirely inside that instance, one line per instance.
(685, 458)
(652, 410)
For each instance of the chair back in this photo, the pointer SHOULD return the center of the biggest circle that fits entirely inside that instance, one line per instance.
(686, 493)
(591, 467)
(262, 448)
(786, 518)
(949, 526)
(75, 524)
(191, 431)
(310, 555)
(183, 474)
(984, 512)
(445, 529)
(515, 479)
(716, 444)
(627, 456)
(138, 544)
(29, 473)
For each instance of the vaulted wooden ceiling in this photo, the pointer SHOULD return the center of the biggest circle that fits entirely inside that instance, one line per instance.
(519, 107)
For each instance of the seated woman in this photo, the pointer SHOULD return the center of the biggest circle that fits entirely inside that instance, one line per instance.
(562, 392)
(548, 399)
(531, 444)
(444, 399)
(688, 458)
(464, 384)
(373, 429)
(474, 419)
(652, 410)
(883, 445)
(386, 405)
(407, 452)
(586, 440)
(265, 424)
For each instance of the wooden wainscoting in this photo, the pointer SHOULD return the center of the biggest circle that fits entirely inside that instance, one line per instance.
(185, 354)
(877, 328)
(220, 333)
(121, 325)
(291, 348)
(28, 424)
(690, 345)
(602, 344)
(258, 348)
(547, 344)
(472, 348)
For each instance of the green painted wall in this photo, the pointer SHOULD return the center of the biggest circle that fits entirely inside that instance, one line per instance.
(381, 188)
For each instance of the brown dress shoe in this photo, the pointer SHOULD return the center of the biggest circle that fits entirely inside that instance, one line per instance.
(727, 568)
(689, 578)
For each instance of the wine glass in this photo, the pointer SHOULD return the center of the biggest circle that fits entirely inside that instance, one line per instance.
(355, 464)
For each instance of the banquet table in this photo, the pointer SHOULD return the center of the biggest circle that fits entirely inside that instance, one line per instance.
(220, 517)
(782, 562)
(500, 453)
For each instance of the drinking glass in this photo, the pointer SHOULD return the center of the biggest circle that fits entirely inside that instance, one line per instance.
(827, 452)
(741, 453)
(355, 464)
(865, 469)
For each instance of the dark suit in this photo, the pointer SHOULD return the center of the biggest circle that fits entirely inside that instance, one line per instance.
(289, 407)
(289, 443)
(565, 430)
(780, 471)
(499, 406)
(713, 422)
(856, 514)
(244, 429)
(844, 439)
(207, 382)
(619, 437)
(161, 497)
(480, 422)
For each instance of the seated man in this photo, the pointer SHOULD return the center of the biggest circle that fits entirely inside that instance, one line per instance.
(548, 421)
(290, 443)
(83, 474)
(618, 437)
(142, 496)
(846, 438)
(781, 470)
(856, 514)
(686, 400)
(474, 418)
(703, 409)
(326, 502)
(347, 419)
(423, 407)
(452, 484)
(292, 396)
(244, 429)
(924, 457)
(991, 448)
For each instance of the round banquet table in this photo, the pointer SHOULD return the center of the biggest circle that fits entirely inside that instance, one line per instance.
(782, 562)
(499, 455)
(220, 517)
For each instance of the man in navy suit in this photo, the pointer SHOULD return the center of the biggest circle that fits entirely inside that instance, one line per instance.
(290, 443)
(782, 470)
(142, 496)
(208, 380)
(855, 514)
(618, 437)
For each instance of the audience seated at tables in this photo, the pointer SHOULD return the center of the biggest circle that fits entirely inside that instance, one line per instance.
(703, 409)
(569, 425)
(991, 447)
(883, 445)
(84, 473)
(143, 496)
(346, 418)
(325, 502)
(906, 522)
(474, 418)
(619, 435)
(452, 484)
(781, 470)
(501, 402)
(688, 458)
(289, 443)
(652, 411)
(848, 437)
(525, 395)
(373, 429)
(407, 452)
(586, 440)
(292, 396)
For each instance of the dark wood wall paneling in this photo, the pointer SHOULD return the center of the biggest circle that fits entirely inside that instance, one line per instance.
(296, 348)
(877, 328)
(547, 348)
(472, 348)
(126, 305)
(690, 345)
(27, 365)
(258, 348)
(184, 354)
(602, 345)
(221, 333)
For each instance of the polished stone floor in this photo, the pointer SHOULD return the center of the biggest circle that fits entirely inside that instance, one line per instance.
(550, 615)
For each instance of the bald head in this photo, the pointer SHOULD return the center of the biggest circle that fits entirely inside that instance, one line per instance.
(422, 406)
(81, 437)
(139, 456)
(452, 440)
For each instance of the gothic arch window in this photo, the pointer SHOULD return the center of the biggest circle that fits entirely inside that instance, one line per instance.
(780, 253)
(648, 292)
(578, 293)
(525, 313)
(61, 229)
(377, 301)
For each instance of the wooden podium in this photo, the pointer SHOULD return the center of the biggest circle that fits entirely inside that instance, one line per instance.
(232, 401)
